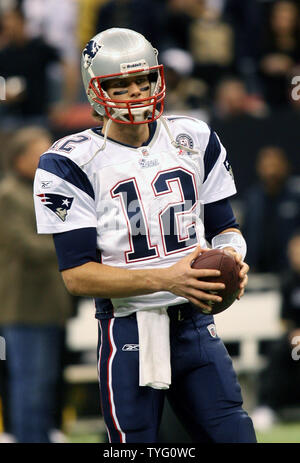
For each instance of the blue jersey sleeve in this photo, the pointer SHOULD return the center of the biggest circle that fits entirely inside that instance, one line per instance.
(211, 155)
(76, 247)
(217, 217)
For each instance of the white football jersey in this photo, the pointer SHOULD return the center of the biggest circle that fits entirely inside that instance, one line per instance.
(146, 203)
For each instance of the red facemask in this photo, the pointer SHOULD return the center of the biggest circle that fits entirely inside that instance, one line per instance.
(131, 106)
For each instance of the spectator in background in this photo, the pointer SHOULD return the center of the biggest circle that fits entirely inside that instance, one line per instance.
(246, 20)
(232, 100)
(222, 38)
(61, 32)
(24, 63)
(212, 46)
(279, 381)
(58, 30)
(179, 15)
(138, 15)
(272, 211)
(34, 302)
(280, 52)
(88, 12)
(186, 94)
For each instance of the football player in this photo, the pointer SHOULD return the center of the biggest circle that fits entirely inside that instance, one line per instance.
(131, 204)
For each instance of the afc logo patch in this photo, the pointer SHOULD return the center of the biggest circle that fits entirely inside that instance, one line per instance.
(185, 140)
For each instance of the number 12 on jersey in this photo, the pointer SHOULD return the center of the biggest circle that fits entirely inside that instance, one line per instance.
(174, 235)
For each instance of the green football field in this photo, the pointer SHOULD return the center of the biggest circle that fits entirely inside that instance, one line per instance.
(280, 433)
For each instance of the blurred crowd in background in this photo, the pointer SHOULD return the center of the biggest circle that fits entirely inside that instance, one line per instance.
(223, 58)
(231, 63)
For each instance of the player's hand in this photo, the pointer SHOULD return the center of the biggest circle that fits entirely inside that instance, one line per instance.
(243, 272)
(184, 281)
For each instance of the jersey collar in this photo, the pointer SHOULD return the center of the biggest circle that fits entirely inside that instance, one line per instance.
(152, 130)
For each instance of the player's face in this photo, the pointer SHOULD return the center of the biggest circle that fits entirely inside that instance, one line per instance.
(128, 88)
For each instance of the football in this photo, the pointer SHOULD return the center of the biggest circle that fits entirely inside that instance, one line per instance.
(222, 260)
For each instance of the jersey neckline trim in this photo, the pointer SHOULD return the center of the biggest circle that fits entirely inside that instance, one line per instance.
(152, 130)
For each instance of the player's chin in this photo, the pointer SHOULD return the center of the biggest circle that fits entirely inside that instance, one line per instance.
(139, 118)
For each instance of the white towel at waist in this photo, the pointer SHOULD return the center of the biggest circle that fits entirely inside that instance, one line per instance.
(154, 348)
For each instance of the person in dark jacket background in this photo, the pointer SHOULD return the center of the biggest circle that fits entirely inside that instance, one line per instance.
(272, 211)
(34, 302)
(279, 381)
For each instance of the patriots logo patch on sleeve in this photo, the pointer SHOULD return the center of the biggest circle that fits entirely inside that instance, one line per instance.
(58, 204)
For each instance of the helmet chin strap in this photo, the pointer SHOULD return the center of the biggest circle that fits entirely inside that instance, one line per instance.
(107, 127)
(102, 147)
(164, 122)
(173, 141)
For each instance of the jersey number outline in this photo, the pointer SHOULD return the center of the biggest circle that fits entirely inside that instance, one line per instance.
(66, 146)
(173, 238)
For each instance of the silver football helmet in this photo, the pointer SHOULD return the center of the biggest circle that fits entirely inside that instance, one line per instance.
(117, 53)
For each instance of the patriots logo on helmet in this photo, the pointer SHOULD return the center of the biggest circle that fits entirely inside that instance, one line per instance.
(89, 53)
(58, 204)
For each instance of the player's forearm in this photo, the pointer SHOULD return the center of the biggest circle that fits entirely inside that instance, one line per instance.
(98, 280)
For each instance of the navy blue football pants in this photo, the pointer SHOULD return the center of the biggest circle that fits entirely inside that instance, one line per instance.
(204, 394)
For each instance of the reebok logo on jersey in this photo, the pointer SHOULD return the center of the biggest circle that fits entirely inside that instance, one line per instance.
(46, 184)
(58, 204)
(130, 347)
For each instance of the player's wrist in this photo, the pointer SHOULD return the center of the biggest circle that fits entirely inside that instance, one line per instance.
(159, 280)
(230, 239)
(147, 281)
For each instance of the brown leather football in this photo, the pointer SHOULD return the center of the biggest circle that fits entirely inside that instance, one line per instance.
(220, 260)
